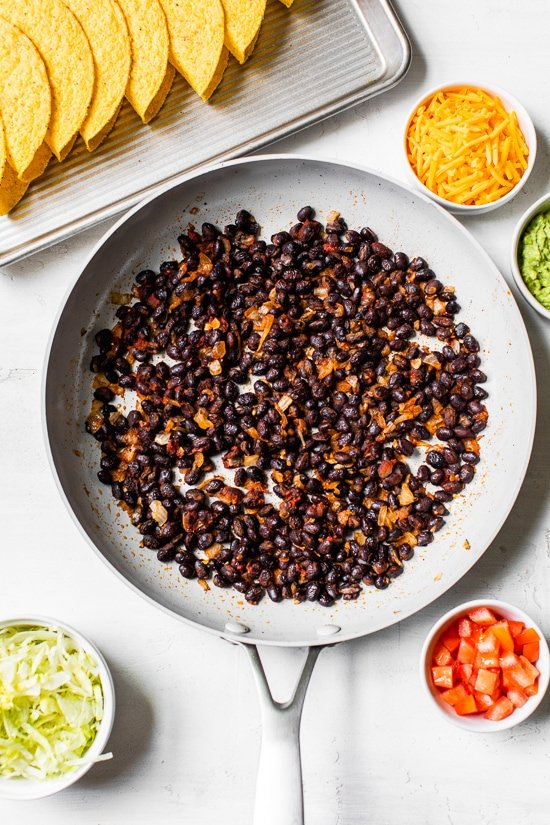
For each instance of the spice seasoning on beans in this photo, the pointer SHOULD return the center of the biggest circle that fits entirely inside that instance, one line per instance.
(320, 370)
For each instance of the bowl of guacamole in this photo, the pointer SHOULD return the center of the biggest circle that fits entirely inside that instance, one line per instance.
(531, 255)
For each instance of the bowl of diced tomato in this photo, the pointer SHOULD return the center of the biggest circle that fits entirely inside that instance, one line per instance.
(485, 665)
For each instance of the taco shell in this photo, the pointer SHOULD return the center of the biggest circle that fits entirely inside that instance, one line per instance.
(64, 48)
(11, 188)
(105, 27)
(151, 75)
(196, 31)
(287, 3)
(25, 102)
(243, 19)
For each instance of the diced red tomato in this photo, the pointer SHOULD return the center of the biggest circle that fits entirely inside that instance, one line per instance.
(466, 652)
(483, 701)
(488, 642)
(529, 669)
(442, 676)
(466, 705)
(465, 672)
(486, 681)
(527, 635)
(509, 660)
(500, 710)
(502, 633)
(454, 695)
(442, 655)
(517, 697)
(451, 640)
(486, 660)
(465, 628)
(485, 664)
(508, 680)
(482, 616)
(515, 628)
(531, 651)
(520, 677)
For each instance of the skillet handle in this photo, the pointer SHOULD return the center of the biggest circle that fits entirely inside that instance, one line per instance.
(279, 792)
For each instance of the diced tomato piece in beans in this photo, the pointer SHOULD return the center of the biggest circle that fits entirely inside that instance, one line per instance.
(500, 710)
(482, 616)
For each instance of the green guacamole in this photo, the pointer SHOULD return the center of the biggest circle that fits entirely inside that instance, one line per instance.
(534, 257)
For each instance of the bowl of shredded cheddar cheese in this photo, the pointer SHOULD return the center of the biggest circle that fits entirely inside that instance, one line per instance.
(469, 147)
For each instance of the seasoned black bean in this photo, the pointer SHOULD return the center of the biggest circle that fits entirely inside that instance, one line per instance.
(324, 321)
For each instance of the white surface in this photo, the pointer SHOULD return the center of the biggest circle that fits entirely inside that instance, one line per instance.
(186, 735)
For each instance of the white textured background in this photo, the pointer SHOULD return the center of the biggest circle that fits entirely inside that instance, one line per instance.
(186, 736)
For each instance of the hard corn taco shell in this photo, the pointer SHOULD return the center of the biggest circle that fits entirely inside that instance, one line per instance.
(106, 30)
(64, 48)
(151, 74)
(243, 19)
(287, 3)
(25, 102)
(11, 188)
(196, 31)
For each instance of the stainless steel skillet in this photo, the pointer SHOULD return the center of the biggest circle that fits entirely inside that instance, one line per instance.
(273, 188)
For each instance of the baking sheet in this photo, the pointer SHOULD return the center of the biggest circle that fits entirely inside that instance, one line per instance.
(310, 61)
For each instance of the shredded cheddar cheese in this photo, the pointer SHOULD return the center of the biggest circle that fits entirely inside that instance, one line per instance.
(465, 147)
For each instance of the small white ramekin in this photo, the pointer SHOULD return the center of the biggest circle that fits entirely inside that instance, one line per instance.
(22, 789)
(510, 103)
(542, 205)
(477, 722)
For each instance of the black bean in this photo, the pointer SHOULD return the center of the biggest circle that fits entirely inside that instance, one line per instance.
(337, 292)
(436, 459)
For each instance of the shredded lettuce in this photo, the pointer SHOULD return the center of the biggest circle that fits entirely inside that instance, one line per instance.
(51, 702)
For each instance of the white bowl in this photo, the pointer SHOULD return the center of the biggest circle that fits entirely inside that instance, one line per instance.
(11, 788)
(510, 103)
(477, 722)
(541, 205)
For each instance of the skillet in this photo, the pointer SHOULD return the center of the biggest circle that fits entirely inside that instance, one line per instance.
(273, 188)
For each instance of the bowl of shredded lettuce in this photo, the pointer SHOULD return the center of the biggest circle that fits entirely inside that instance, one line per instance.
(57, 707)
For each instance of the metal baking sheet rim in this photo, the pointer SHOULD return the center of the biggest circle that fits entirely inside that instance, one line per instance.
(389, 79)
